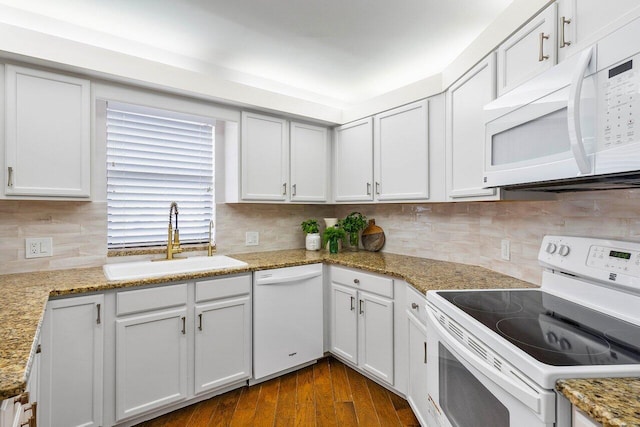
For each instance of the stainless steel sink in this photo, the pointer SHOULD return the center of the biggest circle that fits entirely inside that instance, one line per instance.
(144, 269)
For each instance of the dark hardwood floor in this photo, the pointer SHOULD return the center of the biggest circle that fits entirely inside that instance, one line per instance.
(328, 393)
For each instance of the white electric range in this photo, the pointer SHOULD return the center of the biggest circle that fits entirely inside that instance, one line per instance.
(494, 356)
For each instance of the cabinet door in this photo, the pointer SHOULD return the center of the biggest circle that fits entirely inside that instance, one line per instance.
(582, 23)
(353, 161)
(48, 146)
(151, 361)
(465, 136)
(71, 363)
(344, 322)
(417, 391)
(309, 163)
(528, 52)
(401, 153)
(222, 343)
(265, 158)
(376, 336)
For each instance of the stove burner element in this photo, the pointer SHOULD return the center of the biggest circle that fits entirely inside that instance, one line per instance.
(551, 335)
(487, 303)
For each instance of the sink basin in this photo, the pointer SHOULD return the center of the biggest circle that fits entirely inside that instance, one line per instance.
(144, 269)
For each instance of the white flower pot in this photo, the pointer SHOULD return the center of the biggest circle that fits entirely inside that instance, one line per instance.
(312, 242)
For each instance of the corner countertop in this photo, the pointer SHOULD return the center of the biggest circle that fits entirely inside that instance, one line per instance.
(613, 402)
(25, 295)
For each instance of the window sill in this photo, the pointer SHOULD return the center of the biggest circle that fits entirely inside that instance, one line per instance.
(153, 250)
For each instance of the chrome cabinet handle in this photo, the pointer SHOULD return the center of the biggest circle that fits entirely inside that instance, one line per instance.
(425, 352)
(563, 39)
(414, 305)
(377, 188)
(353, 303)
(356, 281)
(98, 321)
(200, 321)
(368, 188)
(541, 55)
(361, 310)
(184, 325)
(284, 189)
(10, 177)
(293, 190)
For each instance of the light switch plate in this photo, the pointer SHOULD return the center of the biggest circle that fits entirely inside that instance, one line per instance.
(38, 247)
(252, 238)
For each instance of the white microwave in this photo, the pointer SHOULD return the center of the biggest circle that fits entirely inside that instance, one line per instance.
(576, 126)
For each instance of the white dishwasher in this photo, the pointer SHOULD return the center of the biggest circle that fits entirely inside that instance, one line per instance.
(287, 319)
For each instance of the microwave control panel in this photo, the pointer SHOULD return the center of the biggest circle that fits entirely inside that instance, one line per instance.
(619, 113)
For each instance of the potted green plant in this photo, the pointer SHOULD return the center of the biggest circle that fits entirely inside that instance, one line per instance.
(312, 239)
(353, 224)
(333, 235)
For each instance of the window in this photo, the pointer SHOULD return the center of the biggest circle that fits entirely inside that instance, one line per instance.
(155, 157)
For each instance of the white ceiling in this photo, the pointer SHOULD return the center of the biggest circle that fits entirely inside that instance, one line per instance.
(338, 52)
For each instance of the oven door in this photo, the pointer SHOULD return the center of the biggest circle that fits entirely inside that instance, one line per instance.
(465, 392)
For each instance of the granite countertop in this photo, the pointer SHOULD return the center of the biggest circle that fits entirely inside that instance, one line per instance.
(25, 295)
(613, 402)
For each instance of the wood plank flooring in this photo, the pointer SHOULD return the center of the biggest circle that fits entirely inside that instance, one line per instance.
(328, 393)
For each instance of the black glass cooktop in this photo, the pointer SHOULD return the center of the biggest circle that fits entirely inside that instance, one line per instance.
(551, 329)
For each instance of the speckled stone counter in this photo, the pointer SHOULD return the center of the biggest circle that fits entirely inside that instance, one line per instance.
(25, 295)
(613, 402)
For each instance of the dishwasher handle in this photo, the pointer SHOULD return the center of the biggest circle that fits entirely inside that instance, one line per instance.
(276, 280)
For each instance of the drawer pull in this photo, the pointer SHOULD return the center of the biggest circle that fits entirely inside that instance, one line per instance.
(368, 188)
(425, 352)
(356, 281)
(414, 306)
(361, 309)
(200, 321)
(184, 325)
(563, 38)
(10, 177)
(98, 321)
(353, 303)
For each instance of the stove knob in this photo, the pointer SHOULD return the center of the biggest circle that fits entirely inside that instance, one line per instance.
(551, 248)
(564, 250)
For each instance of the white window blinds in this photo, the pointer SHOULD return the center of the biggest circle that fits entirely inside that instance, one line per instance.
(156, 157)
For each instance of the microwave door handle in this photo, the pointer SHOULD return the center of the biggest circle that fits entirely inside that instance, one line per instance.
(522, 392)
(573, 114)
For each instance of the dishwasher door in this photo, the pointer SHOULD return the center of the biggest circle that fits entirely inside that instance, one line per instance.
(287, 318)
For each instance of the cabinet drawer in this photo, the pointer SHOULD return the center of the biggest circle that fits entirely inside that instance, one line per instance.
(151, 299)
(222, 287)
(366, 282)
(416, 304)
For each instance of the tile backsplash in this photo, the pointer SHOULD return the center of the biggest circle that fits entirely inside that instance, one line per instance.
(462, 232)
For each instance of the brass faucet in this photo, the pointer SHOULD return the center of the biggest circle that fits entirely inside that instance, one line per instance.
(173, 240)
(210, 247)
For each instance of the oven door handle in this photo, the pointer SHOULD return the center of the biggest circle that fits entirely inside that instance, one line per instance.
(523, 392)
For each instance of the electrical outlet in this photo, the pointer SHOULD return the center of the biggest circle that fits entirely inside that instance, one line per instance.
(38, 247)
(252, 238)
(505, 249)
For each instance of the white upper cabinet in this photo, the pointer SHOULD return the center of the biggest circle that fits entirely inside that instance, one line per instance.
(265, 157)
(465, 131)
(283, 161)
(583, 22)
(401, 153)
(529, 51)
(353, 161)
(47, 135)
(309, 163)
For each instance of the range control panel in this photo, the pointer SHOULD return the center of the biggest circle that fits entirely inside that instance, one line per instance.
(603, 260)
(619, 109)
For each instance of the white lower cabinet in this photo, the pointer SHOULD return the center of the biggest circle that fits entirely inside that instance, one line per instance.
(362, 321)
(151, 361)
(222, 343)
(417, 343)
(71, 375)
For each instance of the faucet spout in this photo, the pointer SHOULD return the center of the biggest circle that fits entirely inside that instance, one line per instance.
(210, 245)
(173, 238)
